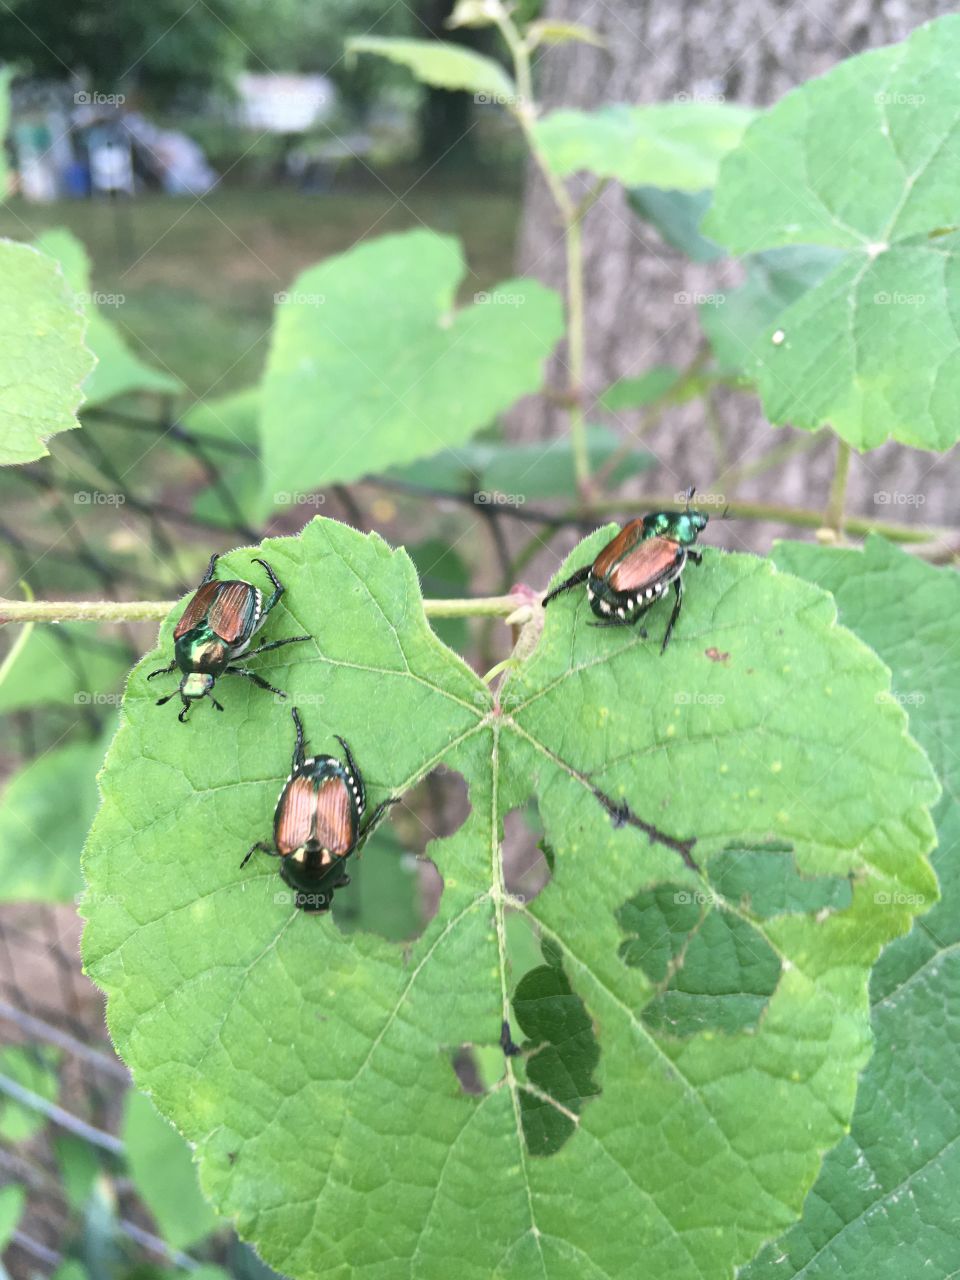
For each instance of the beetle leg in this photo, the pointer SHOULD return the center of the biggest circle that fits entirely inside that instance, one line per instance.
(678, 589)
(163, 671)
(210, 568)
(694, 555)
(298, 751)
(375, 819)
(354, 772)
(258, 680)
(275, 644)
(259, 847)
(278, 587)
(574, 580)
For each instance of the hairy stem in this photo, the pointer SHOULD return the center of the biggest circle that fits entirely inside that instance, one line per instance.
(145, 610)
(802, 517)
(833, 516)
(571, 216)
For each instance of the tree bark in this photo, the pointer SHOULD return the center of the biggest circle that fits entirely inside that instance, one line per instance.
(746, 51)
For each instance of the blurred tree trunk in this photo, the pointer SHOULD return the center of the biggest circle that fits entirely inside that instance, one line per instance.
(747, 51)
(445, 118)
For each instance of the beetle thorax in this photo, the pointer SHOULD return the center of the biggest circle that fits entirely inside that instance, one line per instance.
(196, 685)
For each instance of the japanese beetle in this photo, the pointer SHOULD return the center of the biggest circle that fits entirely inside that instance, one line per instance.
(317, 823)
(633, 571)
(216, 628)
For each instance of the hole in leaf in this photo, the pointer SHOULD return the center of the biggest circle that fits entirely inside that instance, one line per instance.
(713, 969)
(478, 1067)
(555, 1068)
(394, 889)
(767, 882)
(526, 857)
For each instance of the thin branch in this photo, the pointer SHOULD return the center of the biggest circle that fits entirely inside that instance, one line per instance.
(145, 610)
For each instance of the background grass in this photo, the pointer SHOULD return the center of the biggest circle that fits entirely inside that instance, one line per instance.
(198, 278)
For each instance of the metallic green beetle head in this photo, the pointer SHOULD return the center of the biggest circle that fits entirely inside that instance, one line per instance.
(679, 526)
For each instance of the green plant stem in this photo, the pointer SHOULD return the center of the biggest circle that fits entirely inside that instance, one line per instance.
(833, 516)
(576, 352)
(802, 517)
(571, 215)
(146, 610)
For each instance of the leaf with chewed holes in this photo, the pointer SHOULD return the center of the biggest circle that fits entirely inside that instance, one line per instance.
(313, 1069)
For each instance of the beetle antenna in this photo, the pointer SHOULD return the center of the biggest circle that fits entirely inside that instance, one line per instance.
(215, 703)
(163, 701)
(689, 494)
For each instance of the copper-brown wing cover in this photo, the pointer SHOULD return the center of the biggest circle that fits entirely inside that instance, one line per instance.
(196, 610)
(627, 538)
(647, 563)
(320, 814)
(231, 613)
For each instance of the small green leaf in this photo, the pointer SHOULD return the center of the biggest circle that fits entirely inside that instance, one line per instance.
(47, 809)
(312, 1069)
(545, 31)
(79, 1166)
(677, 216)
(884, 1205)
(43, 360)
(12, 1201)
(118, 371)
(473, 13)
(634, 393)
(163, 1173)
(372, 366)
(860, 160)
(33, 1068)
(677, 145)
(64, 664)
(438, 63)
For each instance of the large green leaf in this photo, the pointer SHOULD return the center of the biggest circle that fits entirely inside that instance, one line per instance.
(371, 366)
(314, 1071)
(118, 370)
(677, 145)
(439, 63)
(862, 160)
(43, 360)
(884, 1206)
